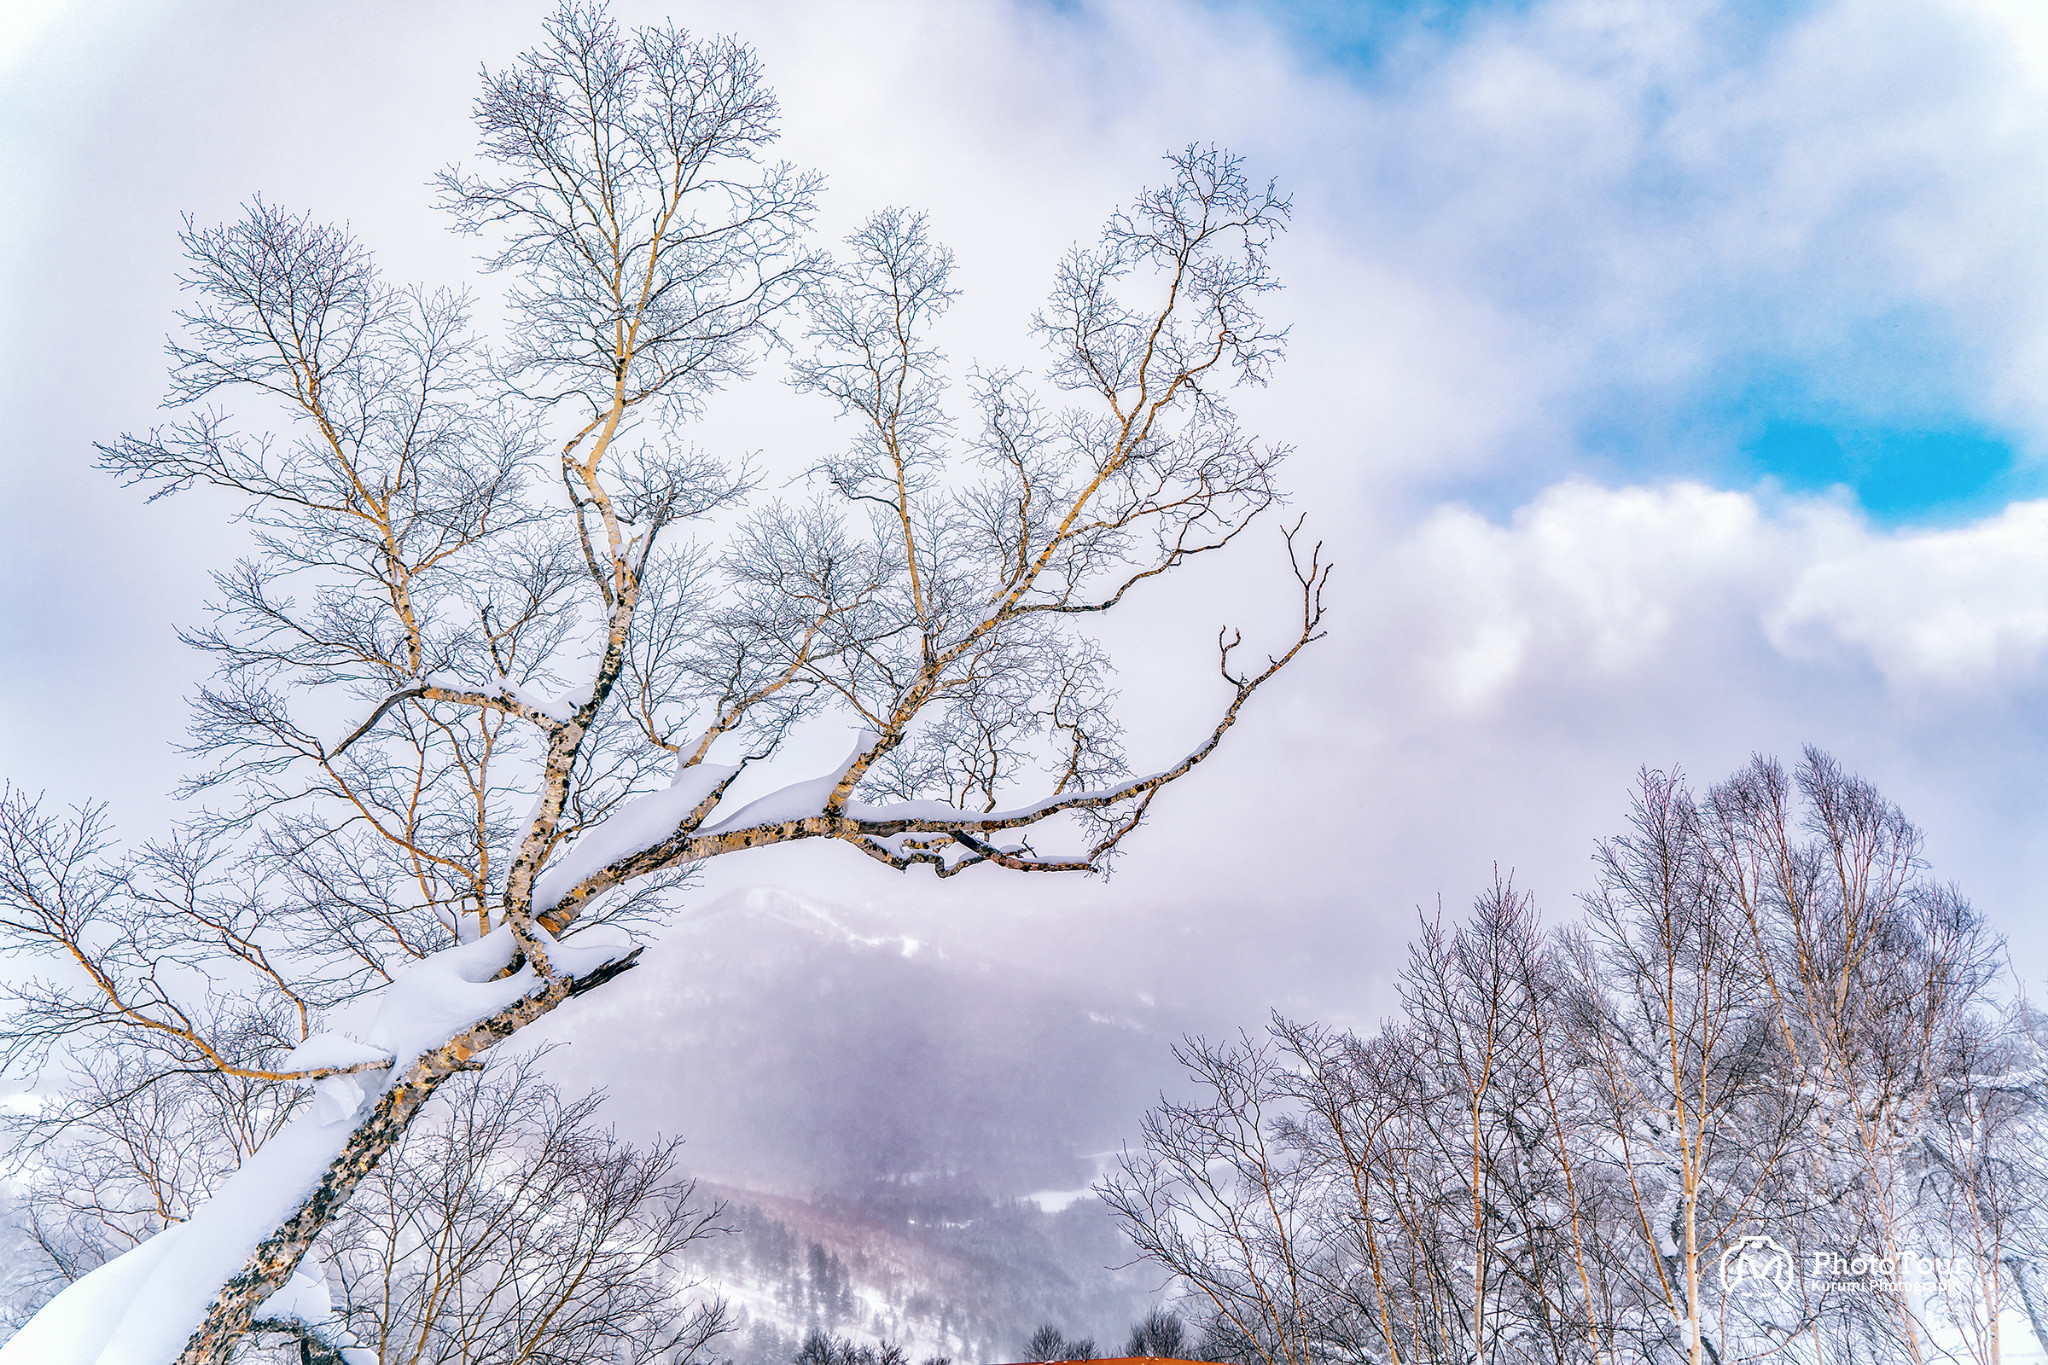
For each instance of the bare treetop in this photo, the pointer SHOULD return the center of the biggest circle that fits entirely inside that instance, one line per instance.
(651, 244)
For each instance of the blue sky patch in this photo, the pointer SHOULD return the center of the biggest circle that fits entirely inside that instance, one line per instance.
(1933, 470)
(1897, 474)
(1357, 35)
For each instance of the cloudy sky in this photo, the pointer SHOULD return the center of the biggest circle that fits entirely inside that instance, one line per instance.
(1666, 380)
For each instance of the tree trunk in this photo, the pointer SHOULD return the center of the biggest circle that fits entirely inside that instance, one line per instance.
(233, 1310)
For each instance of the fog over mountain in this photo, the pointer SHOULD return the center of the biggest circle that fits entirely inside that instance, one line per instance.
(803, 1048)
(903, 1135)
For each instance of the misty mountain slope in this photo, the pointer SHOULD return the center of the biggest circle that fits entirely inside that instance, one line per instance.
(940, 1270)
(876, 1116)
(802, 1050)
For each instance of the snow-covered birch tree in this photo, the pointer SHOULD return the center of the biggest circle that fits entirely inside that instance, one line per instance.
(1425, 1193)
(506, 639)
(1770, 1023)
(1876, 981)
(1684, 1065)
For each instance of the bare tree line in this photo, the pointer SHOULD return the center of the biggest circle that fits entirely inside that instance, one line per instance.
(1768, 1023)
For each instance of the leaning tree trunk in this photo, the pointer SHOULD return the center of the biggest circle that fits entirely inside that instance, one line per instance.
(233, 1310)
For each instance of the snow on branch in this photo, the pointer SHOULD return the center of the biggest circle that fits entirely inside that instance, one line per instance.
(142, 1307)
(638, 825)
(662, 830)
(505, 695)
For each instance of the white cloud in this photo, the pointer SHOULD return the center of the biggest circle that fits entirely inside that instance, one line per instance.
(1957, 609)
(1585, 579)
(1663, 196)
(1602, 584)
(27, 22)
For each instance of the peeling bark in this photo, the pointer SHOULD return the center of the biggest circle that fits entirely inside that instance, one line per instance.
(233, 1311)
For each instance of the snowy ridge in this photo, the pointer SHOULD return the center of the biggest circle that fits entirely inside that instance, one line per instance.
(781, 906)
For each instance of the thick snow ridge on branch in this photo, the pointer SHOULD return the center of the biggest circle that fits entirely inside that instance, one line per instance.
(305, 1304)
(557, 709)
(72, 1328)
(806, 799)
(336, 1097)
(638, 825)
(797, 801)
(141, 1307)
(332, 1051)
(937, 816)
